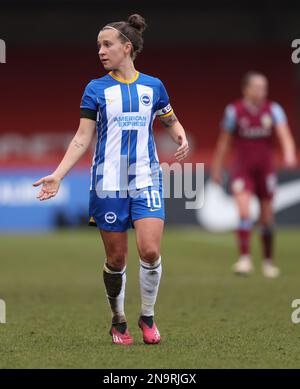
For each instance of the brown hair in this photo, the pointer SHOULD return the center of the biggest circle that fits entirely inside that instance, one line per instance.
(247, 77)
(133, 30)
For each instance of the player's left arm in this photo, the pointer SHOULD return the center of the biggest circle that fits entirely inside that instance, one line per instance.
(287, 144)
(177, 133)
(284, 135)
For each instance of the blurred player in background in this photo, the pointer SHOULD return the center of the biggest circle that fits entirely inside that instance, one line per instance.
(251, 122)
(126, 179)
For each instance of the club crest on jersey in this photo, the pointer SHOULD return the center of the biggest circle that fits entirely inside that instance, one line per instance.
(110, 217)
(145, 99)
(266, 120)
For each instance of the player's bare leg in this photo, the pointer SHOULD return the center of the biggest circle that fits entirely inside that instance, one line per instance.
(244, 264)
(114, 276)
(148, 238)
(267, 237)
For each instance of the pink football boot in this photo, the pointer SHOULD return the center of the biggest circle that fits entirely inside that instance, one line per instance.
(119, 337)
(151, 334)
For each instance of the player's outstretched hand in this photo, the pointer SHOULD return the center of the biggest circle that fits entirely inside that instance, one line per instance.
(183, 149)
(50, 187)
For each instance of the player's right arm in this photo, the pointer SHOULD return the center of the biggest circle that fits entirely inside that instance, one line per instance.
(221, 150)
(76, 149)
(224, 143)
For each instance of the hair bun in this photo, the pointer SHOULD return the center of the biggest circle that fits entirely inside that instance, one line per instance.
(138, 22)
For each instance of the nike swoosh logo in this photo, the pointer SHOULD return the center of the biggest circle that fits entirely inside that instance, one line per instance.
(154, 210)
(220, 212)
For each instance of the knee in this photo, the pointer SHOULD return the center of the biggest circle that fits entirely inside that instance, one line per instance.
(266, 220)
(117, 259)
(149, 254)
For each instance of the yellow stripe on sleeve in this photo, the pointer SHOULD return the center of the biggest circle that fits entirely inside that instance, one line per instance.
(166, 114)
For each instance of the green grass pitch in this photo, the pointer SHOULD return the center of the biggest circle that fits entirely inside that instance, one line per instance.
(58, 317)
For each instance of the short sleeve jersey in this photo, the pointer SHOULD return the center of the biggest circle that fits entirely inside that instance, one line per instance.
(125, 153)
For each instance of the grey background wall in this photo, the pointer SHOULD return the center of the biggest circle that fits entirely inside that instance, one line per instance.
(170, 23)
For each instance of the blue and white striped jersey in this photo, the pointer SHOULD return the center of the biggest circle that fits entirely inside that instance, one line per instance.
(125, 155)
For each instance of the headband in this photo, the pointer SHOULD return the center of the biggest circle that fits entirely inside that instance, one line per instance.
(113, 28)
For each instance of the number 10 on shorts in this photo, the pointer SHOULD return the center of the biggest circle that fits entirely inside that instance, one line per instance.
(153, 200)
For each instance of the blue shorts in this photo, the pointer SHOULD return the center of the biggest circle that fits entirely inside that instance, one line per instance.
(118, 210)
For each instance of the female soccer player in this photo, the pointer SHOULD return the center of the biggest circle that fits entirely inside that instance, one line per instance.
(126, 180)
(251, 122)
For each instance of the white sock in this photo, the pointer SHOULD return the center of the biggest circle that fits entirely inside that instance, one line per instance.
(115, 282)
(245, 257)
(149, 283)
